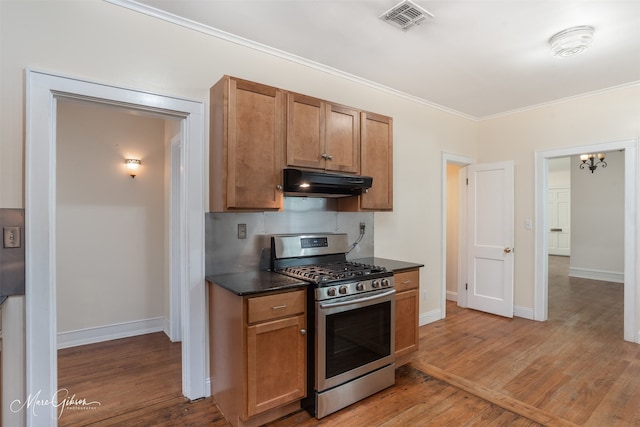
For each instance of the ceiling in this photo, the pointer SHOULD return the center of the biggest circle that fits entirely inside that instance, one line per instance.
(477, 58)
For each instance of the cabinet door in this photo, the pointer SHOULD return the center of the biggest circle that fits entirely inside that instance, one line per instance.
(406, 322)
(255, 142)
(305, 131)
(377, 161)
(276, 363)
(342, 139)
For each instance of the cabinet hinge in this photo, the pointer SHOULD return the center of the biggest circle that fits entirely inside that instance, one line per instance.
(467, 181)
(466, 286)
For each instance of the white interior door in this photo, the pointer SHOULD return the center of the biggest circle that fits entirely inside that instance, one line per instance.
(490, 238)
(559, 216)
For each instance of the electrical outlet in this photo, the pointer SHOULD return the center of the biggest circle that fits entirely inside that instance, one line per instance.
(242, 231)
(362, 227)
(424, 295)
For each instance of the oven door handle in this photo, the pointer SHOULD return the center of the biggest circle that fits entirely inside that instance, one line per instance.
(359, 300)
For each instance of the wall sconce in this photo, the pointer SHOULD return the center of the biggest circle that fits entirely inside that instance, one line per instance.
(591, 158)
(132, 166)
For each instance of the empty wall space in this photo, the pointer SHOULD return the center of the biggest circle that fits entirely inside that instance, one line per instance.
(110, 227)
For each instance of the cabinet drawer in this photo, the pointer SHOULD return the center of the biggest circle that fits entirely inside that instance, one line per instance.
(270, 307)
(407, 280)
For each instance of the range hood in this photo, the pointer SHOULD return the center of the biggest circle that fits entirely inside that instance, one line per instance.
(303, 182)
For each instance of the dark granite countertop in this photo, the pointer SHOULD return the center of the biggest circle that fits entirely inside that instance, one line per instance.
(389, 264)
(255, 282)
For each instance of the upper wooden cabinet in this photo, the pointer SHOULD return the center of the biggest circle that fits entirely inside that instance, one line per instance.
(322, 135)
(376, 161)
(246, 146)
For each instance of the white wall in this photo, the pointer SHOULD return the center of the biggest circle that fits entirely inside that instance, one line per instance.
(110, 227)
(560, 172)
(597, 220)
(604, 117)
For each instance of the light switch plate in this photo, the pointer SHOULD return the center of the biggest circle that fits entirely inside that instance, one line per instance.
(11, 237)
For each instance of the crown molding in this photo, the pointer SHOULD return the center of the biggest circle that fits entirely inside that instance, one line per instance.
(232, 38)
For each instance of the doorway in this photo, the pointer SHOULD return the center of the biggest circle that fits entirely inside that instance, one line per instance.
(44, 90)
(541, 291)
(453, 271)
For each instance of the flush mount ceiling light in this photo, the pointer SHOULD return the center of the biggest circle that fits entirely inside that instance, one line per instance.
(571, 41)
(405, 15)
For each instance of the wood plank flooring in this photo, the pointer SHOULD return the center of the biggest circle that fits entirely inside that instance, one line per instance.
(473, 369)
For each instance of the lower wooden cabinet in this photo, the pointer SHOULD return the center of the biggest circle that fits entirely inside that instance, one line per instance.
(407, 285)
(257, 354)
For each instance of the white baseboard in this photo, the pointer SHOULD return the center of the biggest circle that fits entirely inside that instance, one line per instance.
(110, 332)
(524, 312)
(587, 273)
(429, 317)
(452, 296)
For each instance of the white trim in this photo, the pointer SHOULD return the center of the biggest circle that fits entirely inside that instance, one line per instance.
(42, 91)
(603, 275)
(631, 285)
(110, 332)
(452, 296)
(524, 312)
(223, 35)
(561, 100)
(177, 244)
(430, 317)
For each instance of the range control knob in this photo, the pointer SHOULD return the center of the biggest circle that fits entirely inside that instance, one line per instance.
(375, 284)
(343, 289)
(360, 286)
(331, 292)
(385, 282)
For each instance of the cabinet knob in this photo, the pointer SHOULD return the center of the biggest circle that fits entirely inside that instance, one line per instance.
(329, 157)
(279, 187)
(507, 250)
(303, 332)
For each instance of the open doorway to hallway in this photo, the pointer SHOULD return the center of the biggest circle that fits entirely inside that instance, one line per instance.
(603, 226)
(584, 270)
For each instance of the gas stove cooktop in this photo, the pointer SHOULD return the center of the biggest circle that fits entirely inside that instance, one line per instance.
(320, 259)
(321, 274)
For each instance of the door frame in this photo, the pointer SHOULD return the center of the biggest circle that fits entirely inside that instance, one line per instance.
(448, 158)
(631, 285)
(42, 92)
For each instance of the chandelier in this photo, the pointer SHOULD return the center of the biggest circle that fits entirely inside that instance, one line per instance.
(591, 158)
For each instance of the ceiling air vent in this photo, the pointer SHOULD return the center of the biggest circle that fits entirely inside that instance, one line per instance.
(405, 15)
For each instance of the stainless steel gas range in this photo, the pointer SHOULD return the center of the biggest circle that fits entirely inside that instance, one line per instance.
(352, 311)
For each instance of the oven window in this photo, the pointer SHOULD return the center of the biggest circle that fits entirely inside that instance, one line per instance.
(357, 337)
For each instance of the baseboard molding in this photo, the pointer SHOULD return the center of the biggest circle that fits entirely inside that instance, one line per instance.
(452, 296)
(524, 312)
(110, 332)
(587, 273)
(430, 317)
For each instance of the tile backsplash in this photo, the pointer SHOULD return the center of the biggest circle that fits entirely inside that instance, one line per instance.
(226, 253)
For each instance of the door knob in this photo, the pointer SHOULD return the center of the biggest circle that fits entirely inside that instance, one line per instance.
(507, 250)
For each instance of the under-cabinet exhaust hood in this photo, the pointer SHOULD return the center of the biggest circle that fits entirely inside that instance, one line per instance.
(302, 182)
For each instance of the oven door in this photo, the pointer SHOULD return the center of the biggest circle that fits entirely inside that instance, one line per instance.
(355, 336)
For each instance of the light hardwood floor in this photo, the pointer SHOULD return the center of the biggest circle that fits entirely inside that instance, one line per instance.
(473, 369)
